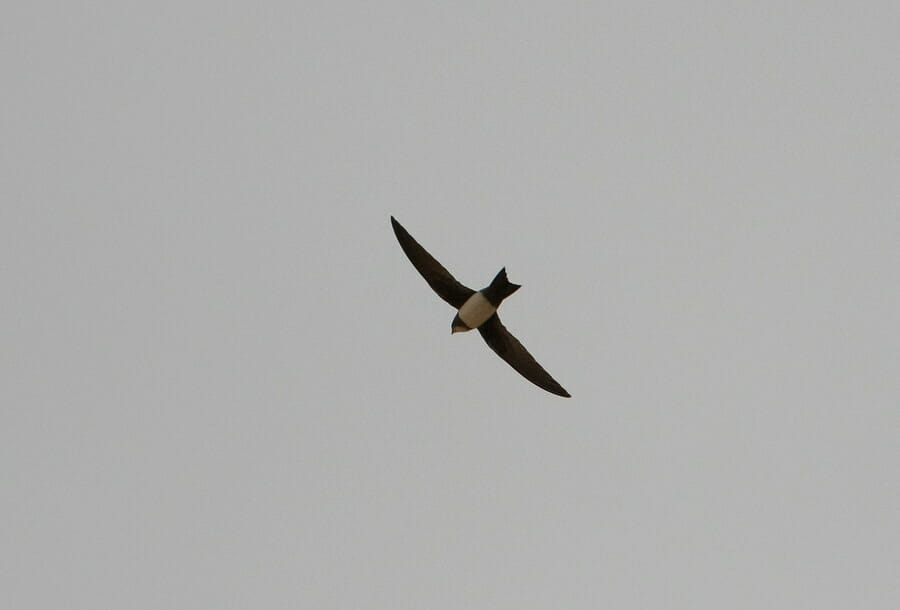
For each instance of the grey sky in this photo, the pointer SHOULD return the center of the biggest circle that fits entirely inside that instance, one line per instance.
(222, 385)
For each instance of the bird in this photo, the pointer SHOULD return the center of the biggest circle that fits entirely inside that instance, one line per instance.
(478, 310)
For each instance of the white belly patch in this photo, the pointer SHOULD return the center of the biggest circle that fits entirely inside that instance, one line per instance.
(476, 311)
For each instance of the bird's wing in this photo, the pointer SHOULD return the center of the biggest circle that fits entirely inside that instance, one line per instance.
(515, 354)
(434, 273)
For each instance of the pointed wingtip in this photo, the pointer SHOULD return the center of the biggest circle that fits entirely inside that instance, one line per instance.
(558, 390)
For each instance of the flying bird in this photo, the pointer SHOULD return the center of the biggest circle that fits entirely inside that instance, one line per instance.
(478, 309)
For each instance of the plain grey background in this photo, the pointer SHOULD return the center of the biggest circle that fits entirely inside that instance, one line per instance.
(224, 386)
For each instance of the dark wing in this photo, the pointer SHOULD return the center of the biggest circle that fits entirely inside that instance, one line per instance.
(434, 273)
(509, 348)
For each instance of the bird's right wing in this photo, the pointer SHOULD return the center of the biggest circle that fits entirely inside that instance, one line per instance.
(508, 347)
(440, 280)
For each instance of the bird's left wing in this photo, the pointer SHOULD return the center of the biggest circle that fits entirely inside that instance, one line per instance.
(508, 347)
(440, 280)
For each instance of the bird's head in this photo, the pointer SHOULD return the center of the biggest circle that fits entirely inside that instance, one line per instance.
(458, 326)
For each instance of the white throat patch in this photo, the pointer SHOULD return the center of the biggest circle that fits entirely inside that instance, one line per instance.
(476, 311)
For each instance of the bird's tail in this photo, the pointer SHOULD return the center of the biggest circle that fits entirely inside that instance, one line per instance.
(501, 286)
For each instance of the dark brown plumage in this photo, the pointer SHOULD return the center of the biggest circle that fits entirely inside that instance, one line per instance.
(492, 330)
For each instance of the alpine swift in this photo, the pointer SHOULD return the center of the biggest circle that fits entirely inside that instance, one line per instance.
(478, 310)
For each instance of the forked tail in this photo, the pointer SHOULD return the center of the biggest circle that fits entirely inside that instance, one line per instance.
(501, 286)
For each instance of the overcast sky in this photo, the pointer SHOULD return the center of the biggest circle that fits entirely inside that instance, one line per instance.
(223, 385)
